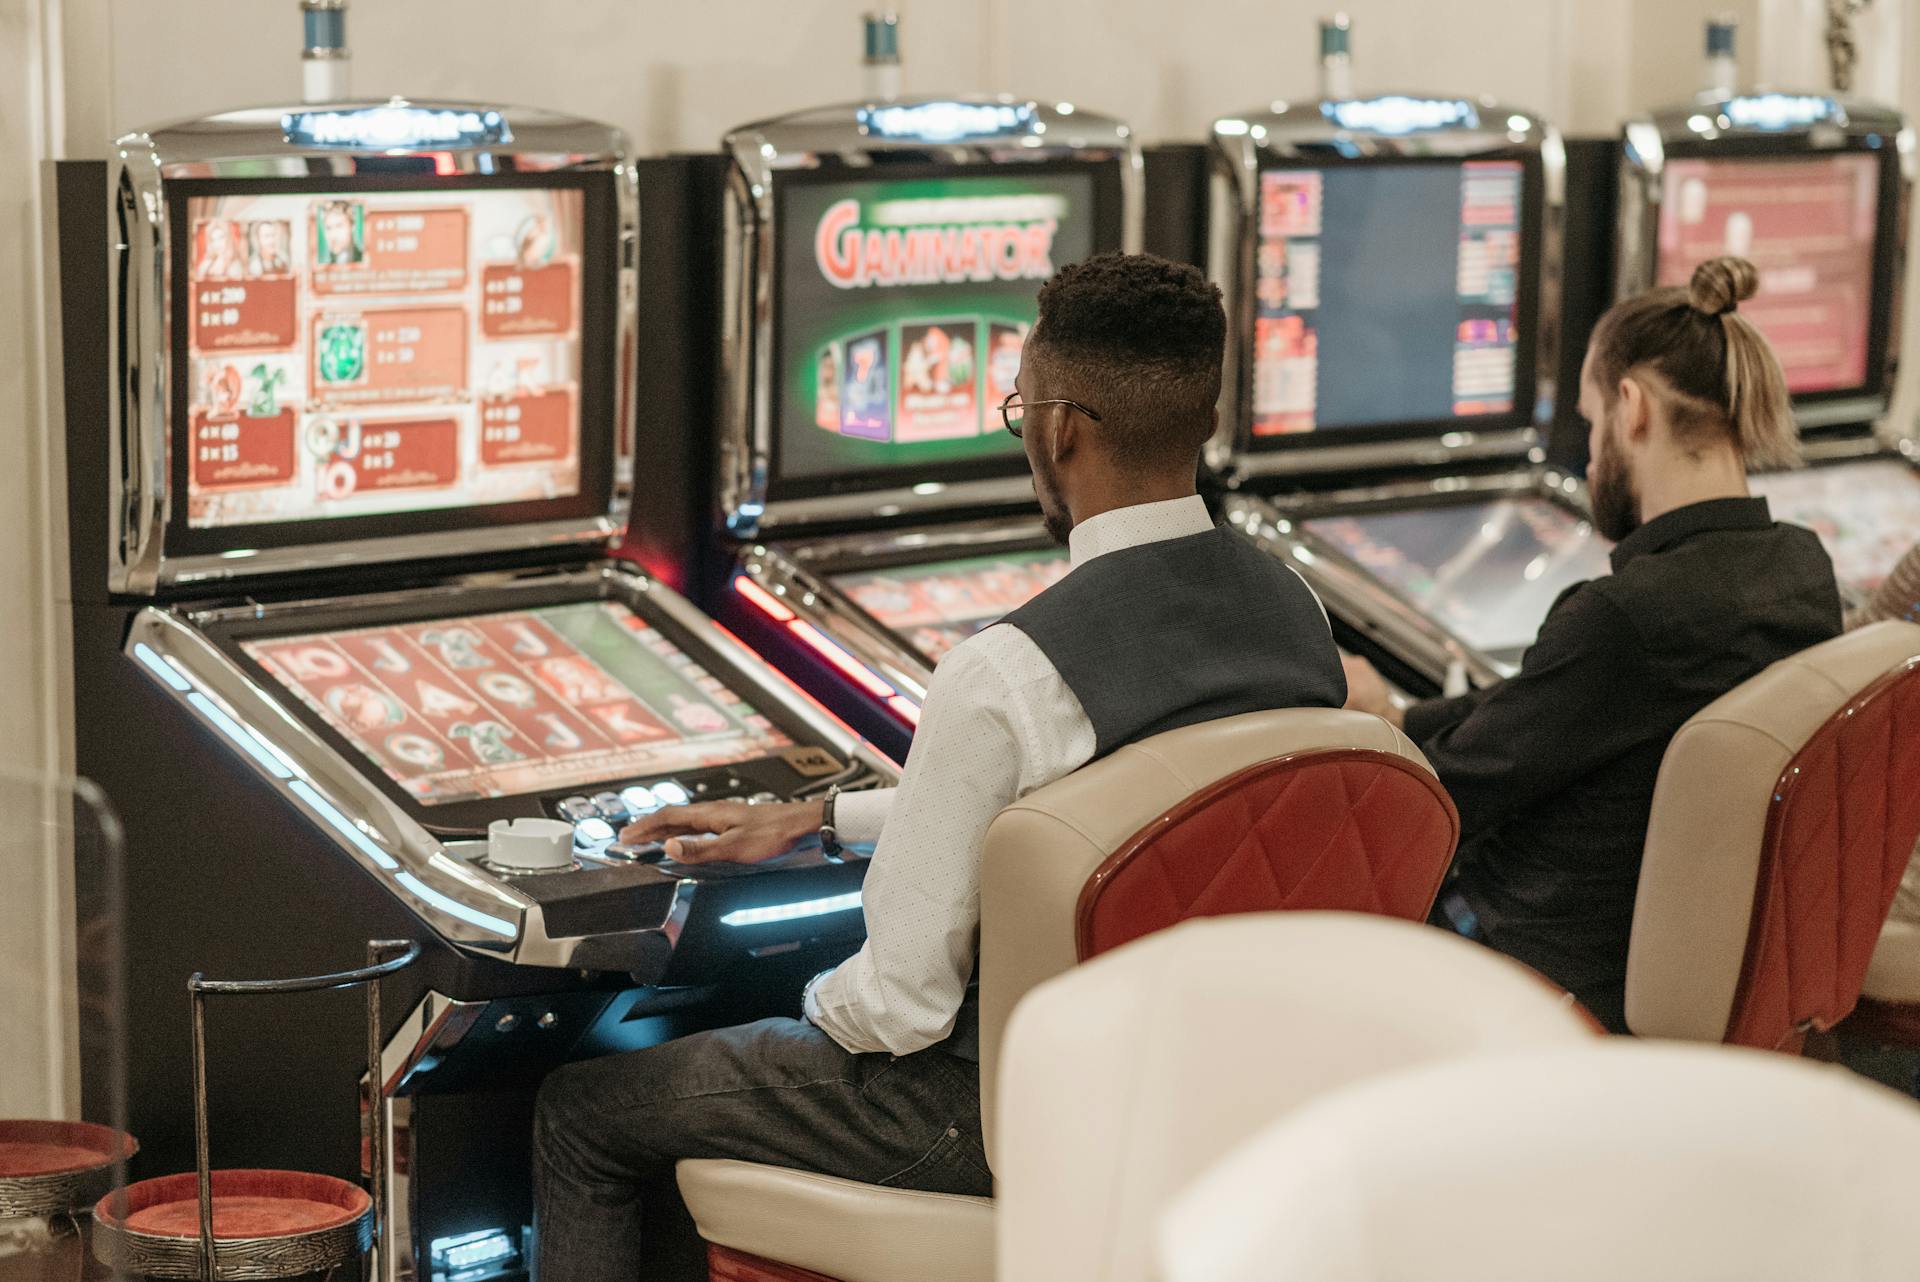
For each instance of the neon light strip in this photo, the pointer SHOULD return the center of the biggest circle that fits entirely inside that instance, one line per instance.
(840, 659)
(240, 735)
(906, 709)
(160, 667)
(769, 604)
(791, 912)
(329, 813)
(454, 908)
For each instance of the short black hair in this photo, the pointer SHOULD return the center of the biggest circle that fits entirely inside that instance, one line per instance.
(1140, 339)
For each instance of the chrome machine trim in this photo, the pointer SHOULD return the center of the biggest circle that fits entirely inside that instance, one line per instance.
(294, 143)
(800, 574)
(1816, 122)
(1387, 126)
(1348, 590)
(957, 130)
(458, 899)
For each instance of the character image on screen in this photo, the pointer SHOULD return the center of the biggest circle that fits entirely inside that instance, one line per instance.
(863, 392)
(935, 607)
(1809, 224)
(545, 699)
(1386, 295)
(340, 233)
(939, 398)
(1866, 513)
(393, 352)
(1487, 572)
(221, 254)
(924, 288)
(268, 244)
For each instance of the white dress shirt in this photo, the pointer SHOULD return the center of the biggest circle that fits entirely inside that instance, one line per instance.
(998, 722)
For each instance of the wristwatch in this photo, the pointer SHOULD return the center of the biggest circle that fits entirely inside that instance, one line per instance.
(829, 835)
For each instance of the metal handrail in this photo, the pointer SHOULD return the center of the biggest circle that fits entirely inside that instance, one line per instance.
(384, 957)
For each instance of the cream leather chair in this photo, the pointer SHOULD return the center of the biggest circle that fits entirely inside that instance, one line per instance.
(1658, 1163)
(1305, 808)
(1784, 816)
(1132, 1074)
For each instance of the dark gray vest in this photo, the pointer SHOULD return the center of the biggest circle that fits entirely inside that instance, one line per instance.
(1170, 634)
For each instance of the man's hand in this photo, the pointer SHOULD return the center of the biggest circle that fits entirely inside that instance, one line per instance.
(740, 833)
(1367, 691)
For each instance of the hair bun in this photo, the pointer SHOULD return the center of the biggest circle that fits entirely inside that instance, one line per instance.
(1719, 285)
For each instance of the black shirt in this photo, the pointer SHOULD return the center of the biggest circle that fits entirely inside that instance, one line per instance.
(1553, 769)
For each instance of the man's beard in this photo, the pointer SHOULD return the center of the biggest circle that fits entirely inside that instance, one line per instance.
(1610, 489)
(1053, 513)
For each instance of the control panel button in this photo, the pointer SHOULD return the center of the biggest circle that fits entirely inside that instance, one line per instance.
(574, 809)
(611, 807)
(593, 834)
(639, 800)
(671, 793)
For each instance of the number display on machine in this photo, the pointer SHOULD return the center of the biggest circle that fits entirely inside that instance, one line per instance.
(937, 606)
(1488, 572)
(1808, 224)
(357, 354)
(1867, 514)
(505, 704)
(903, 308)
(1386, 294)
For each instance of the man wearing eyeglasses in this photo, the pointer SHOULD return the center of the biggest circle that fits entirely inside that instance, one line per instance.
(1165, 620)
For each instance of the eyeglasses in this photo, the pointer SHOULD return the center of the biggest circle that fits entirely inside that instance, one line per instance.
(1013, 412)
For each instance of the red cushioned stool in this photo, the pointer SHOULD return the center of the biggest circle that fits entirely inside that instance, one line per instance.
(1307, 808)
(210, 1224)
(1785, 814)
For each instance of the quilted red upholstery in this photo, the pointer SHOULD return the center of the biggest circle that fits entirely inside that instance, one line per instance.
(737, 1266)
(1839, 833)
(1347, 829)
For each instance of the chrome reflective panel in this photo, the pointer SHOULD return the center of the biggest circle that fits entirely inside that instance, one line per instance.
(298, 143)
(1392, 125)
(960, 131)
(1356, 595)
(1802, 122)
(438, 881)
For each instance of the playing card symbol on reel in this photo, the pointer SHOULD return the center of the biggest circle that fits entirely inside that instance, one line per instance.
(488, 741)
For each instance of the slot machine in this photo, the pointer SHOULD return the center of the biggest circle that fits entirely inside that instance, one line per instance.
(349, 395)
(1816, 192)
(882, 263)
(1391, 272)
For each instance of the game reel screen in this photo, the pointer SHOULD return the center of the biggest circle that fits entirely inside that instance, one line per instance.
(936, 606)
(1866, 513)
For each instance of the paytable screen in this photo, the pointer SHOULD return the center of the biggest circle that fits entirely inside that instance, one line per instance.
(1808, 224)
(365, 353)
(936, 606)
(1866, 513)
(902, 311)
(1488, 572)
(1386, 294)
(500, 705)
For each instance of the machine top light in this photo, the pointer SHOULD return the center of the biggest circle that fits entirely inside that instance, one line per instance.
(1398, 114)
(948, 121)
(1773, 111)
(395, 127)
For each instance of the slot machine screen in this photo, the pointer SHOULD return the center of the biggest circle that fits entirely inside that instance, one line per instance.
(356, 359)
(1808, 223)
(1866, 513)
(1487, 572)
(498, 705)
(1391, 296)
(903, 303)
(934, 607)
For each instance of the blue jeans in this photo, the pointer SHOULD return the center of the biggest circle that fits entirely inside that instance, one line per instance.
(779, 1091)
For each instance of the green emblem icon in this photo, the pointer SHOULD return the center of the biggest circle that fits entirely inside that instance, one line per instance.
(343, 353)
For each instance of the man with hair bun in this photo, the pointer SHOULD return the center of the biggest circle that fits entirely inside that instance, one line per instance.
(1553, 770)
(1165, 620)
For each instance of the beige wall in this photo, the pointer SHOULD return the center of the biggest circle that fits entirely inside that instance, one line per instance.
(73, 72)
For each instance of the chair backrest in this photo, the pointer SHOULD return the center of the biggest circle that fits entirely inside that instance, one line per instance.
(1128, 1076)
(1784, 815)
(1622, 1159)
(1301, 808)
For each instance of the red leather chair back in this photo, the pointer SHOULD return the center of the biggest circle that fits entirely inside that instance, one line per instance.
(1840, 831)
(1347, 829)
